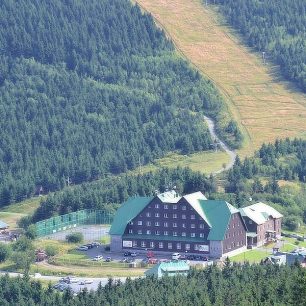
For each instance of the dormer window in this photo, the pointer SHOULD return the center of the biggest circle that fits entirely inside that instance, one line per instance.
(183, 207)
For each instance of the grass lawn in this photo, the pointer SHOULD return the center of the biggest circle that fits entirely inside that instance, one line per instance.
(257, 99)
(252, 256)
(205, 162)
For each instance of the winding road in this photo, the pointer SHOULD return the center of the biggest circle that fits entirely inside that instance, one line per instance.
(232, 154)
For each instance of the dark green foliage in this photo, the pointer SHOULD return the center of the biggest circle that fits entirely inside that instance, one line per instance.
(283, 160)
(23, 254)
(275, 27)
(5, 251)
(89, 88)
(31, 232)
(234, 285)
(51, 250)
(108, 193)
(75, 237)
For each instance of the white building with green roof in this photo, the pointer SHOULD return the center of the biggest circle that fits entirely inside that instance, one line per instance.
(188, 224)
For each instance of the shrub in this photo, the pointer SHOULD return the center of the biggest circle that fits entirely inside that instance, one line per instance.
(5, 252)
(75, 237)
(51, 250)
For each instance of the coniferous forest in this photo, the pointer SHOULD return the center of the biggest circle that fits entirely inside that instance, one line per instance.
(234, 285)
(277, 28)
(89, 88)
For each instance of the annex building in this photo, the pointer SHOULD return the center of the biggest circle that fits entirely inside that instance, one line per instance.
(171, 223)
(263, 223)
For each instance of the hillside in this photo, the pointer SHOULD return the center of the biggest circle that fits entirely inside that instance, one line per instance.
(92, 88)
(277, 28)
(265, 107)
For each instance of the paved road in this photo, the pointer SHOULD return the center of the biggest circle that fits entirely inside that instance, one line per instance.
(76, 287)
(231, 153)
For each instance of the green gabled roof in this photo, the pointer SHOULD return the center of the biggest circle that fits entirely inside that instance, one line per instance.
(126, 212)
(219, 214)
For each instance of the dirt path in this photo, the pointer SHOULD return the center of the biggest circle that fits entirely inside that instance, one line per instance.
(265, 107)
(232, 154)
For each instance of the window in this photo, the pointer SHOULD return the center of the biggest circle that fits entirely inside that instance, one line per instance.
(192, 225)
(202, 225)
(166, 233)
(160, 245)
(148, 223)
(187, 246)
(165, 206)
(250, 222)
(174, 206)
(148, 214)
(183, 234)
(139, 222)
(157, 215)
(174, 224)
(183, 225)
(143, 244)
(135, 243)
(157, 232)
(178, 246)
(202, 235)
(174, 216)
(183, 216)
(131, 223)
(156, 205)
(183, 207)
(192, 217)
(192, 235)
(156, 223)
(174, 234)
(148, 232)
(165, 215)
(165, 224)
(151, 244)
(170, 245)
(139, 232)
(130, 231)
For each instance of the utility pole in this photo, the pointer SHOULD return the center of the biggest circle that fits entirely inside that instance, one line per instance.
(264, 57)
(68, 181)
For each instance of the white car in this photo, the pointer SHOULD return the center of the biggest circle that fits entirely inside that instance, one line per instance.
(97, 258)
(176, 256)
(86, 281)
(73, 280)
(82, 248)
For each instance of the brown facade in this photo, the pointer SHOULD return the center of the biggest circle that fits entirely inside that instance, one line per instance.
(235, 236)
(271, 229)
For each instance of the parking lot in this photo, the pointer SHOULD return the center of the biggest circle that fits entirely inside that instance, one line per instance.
(140, 257)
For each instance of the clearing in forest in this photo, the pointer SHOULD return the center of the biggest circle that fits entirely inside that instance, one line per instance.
(265, 106)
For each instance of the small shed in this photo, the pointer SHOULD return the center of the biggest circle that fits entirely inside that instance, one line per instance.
(171, 268)
(3, 226)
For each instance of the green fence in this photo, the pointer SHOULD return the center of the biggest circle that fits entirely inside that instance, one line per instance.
(71, 220)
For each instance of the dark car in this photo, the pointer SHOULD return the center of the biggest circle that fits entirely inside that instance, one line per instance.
(108, 259)
(127, 253)
(89, 245)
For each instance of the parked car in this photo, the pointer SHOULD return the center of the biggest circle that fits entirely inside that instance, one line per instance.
(82, 248)
(133, 254)
(73, 280)
(89, 245)
(86, 281)
(127, 254)
(96, 244)
(152, 261)
(97, 258)
(176, 256)
(108, 259)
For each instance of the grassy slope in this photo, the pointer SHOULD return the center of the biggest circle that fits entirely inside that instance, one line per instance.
(12, 213)
(265, 107)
